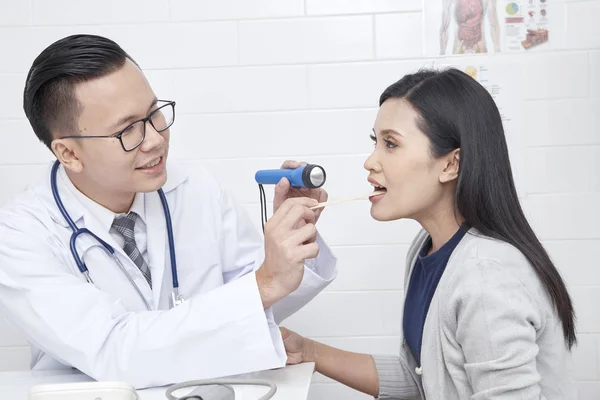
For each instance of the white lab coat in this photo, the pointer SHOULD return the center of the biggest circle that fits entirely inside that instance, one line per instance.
(105, 330)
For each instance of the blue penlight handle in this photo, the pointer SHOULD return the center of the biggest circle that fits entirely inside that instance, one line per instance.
(309, 176)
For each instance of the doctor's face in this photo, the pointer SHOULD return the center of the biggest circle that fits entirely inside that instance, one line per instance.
(108, 105)
(402, 165)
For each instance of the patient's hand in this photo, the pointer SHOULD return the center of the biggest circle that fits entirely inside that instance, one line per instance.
(294, 346)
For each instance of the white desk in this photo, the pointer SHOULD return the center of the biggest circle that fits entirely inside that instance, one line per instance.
(293, 383)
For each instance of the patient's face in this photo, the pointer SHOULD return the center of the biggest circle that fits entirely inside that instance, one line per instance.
(402, 163)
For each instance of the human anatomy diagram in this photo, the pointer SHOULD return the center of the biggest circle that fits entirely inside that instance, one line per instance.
(469, 18)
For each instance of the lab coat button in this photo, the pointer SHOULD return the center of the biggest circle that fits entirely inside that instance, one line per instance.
(419, 370)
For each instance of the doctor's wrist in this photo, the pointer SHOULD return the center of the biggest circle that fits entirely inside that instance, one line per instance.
(267, 288)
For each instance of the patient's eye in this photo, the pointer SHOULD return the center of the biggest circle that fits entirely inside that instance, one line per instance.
(389, 144)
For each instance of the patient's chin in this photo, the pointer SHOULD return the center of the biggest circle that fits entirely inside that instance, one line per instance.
(382, 215)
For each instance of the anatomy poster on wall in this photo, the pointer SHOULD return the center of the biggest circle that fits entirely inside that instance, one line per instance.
(504, 80)
(486, 26)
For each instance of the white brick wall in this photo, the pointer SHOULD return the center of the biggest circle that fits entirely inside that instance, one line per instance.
(310, 72)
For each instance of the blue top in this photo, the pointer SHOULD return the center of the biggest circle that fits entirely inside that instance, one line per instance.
(424, 280)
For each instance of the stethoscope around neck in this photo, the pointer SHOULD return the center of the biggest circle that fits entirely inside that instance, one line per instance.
(176, 298)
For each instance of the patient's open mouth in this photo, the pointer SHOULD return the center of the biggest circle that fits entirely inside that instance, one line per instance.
(378, 192)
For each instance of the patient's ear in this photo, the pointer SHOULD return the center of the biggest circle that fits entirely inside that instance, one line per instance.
(450, 167)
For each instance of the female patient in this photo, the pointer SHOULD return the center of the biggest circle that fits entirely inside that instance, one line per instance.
(486, 313)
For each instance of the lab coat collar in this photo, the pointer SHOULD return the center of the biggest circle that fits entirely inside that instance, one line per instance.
(77, 204)
(103, 215)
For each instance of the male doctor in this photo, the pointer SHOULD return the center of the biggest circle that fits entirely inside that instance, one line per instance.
(90, 103)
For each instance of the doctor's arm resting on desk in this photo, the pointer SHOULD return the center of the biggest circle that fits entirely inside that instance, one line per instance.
(111, 136)
(486, 314)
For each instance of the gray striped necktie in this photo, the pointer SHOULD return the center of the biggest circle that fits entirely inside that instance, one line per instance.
(125, 224)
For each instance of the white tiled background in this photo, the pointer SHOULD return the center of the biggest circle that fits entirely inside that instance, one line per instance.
(307, 74)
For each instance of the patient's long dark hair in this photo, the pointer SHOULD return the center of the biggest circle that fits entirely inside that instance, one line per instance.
(457, 112)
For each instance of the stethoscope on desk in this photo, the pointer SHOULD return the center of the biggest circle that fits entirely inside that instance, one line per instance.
(176, 298)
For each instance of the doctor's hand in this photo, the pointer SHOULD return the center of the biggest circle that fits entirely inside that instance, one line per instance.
(284, 191)
(290, 239)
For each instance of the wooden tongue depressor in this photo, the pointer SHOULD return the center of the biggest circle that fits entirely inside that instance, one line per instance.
(347, 199)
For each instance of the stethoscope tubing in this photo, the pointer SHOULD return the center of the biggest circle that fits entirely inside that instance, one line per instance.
(107, 247)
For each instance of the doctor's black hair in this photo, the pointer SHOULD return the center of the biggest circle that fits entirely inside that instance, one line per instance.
(456, 112)
(49, 100)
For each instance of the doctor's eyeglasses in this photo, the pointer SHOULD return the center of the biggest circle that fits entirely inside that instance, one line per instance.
(134, 134)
